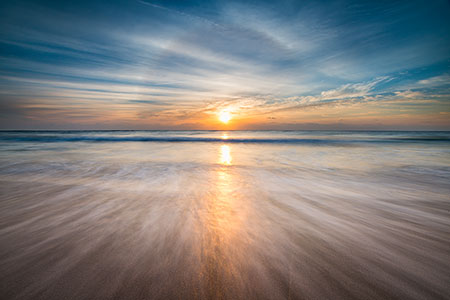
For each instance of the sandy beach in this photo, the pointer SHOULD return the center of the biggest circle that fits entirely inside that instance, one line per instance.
(224, 220)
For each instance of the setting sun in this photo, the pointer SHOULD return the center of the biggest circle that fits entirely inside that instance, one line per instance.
(224, 116)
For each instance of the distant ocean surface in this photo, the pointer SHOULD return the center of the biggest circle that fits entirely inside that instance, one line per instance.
(224, 215)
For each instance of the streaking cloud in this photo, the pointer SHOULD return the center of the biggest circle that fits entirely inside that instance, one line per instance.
(160, 65)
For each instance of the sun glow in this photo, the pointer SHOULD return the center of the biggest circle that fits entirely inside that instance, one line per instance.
(224, 116)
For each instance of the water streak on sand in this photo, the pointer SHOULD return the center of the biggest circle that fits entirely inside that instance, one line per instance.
(228, 220)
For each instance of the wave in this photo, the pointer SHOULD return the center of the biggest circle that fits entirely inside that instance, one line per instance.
(183, 139)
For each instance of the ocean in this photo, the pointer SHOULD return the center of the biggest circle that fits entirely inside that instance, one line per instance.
(224, 215)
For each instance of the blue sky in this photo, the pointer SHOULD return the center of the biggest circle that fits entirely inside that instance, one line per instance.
(272, 65)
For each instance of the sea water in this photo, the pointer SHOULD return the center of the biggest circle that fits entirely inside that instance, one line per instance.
(224, 215)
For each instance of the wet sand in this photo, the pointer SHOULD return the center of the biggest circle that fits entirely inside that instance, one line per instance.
(222, 226)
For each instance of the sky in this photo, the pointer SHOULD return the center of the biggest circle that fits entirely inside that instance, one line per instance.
(269, 65)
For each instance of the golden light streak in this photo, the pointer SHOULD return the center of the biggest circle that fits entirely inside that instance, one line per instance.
(225, 155)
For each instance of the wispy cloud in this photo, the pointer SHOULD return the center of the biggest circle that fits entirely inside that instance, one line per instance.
(150, 62)
(351, 90)
(436, 81)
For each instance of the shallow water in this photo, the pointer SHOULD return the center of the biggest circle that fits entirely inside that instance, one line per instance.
(224, 215)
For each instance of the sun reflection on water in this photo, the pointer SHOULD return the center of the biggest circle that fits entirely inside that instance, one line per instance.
(225, 155)
(228, 210)
(222, 229)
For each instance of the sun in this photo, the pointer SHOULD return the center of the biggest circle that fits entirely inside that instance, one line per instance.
(224, 116)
